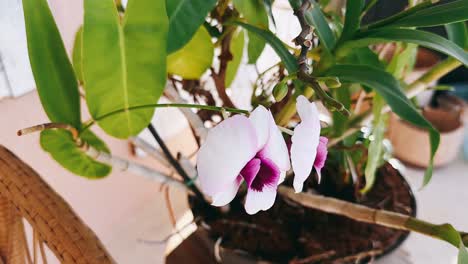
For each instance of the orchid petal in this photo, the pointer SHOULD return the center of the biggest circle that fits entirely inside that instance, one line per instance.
(321, 157)
(228, 193)
(276, 149)
(228, 148)
(256, 201)
(305, 141)
(260, 121)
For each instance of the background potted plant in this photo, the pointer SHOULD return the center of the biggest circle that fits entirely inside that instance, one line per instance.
(126, 58)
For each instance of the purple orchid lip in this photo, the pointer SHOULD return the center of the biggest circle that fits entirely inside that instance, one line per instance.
(260, 172)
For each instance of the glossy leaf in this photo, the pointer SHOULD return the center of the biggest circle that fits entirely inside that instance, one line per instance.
(315, 17)
(419, 37)
(55, 80)
(237, 51)
(352, 18)
(389, 88)
(288, 59)
(254, 13)
(458, 34)
(435, 15)
(376, 145)
(185, 17)
(193, 59)
(77, 55)
(268, 6)
(61, 146)
(124, 64)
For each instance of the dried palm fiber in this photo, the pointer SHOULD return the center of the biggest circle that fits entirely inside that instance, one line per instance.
(12, 244)
(49, 215)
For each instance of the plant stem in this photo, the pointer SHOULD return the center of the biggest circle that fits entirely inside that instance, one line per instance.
(416, 87)
(174, 162)
(89, 123)
(369, 215)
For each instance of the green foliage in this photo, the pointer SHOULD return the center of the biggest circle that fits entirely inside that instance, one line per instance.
(255, 14)
(374, 160)
(389, 88)
(193, 59)
(280, 91)
(352, 18)
(458, 34)
(435, 15)
(55, 80)
(124, 63)
(185, 17)
(237, 51)
(288, 59)
(61, 146)
(77, 55)
(315, 17)
(419, 37)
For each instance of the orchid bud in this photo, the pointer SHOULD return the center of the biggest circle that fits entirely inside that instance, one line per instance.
(280, 91)
(330, 82)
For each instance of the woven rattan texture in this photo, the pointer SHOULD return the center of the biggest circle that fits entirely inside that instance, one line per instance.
(12, 247)
(53, 219)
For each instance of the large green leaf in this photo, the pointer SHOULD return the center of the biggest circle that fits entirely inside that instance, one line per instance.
(288, 59)
(389, 88)
(61, 146)
(255, 14)
(352, 18)
(193, 59)
(419, 37)
(55, 80)
(77, 55)
(124, 65)
(435, 15)
(458, 33)
(315, 17)
(236, 48)
(185, 17)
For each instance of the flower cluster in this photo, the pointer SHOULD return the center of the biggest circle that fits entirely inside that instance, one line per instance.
(253, 150)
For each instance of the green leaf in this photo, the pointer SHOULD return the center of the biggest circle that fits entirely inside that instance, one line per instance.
(340, 122)
(55, 80)
(255, 14)
(315, 17)
(185, 17)
(288, 59)
(462, 254)
(435, 15)
(61, 146)
(124, 65)
(458, 34)
(403, 61)
(364, 56)
(193, 59)
(77, 55)
(352, 18)
(419, 37)
(268, 6)
(236, 48)
(389, 88)
(376, 145)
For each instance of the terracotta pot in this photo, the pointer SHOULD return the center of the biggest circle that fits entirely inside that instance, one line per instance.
(411, 144)
(209, 249)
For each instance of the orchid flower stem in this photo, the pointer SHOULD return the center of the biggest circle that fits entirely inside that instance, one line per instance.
(370, 215)
(89, 123)
(174, 162)
(286, 130)
(106, 158)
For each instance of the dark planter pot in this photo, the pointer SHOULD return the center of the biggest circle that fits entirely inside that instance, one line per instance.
(213, 243)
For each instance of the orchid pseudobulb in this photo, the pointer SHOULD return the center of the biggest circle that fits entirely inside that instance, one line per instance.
(244, 149)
